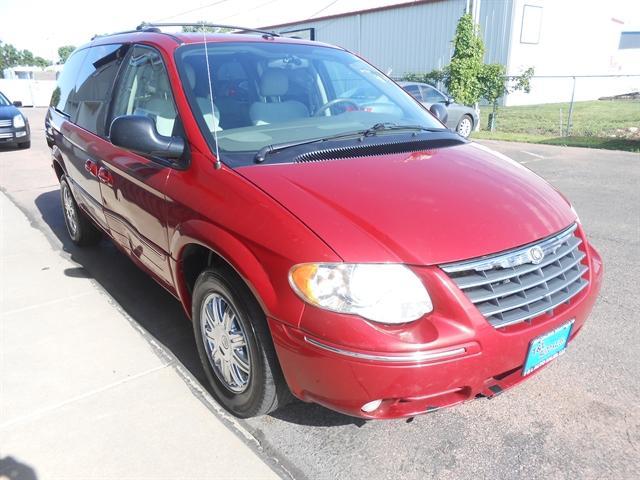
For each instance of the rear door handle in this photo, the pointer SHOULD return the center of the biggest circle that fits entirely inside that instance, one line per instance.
(91, 167)
(105, 176)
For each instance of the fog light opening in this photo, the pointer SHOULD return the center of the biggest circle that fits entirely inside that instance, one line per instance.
(371, 406)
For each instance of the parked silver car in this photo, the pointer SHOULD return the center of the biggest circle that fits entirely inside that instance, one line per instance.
(461, 118)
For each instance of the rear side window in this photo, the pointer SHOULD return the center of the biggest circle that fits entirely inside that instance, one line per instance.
(414, 91)
(63, 98)
(143, 89)
(93, 86)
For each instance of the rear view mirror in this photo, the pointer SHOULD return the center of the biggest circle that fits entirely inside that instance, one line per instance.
(138, 133)
(17, 103)
(440, 112)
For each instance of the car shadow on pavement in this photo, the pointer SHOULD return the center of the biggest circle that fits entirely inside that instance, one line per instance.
(154, 309)
(10, 148)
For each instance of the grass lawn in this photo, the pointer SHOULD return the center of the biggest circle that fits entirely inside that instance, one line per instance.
(613, 125)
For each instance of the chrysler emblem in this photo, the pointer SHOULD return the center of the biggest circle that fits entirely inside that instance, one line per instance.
(536, 254)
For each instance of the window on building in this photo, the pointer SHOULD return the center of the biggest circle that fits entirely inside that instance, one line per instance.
(531, 24)
(629, 40)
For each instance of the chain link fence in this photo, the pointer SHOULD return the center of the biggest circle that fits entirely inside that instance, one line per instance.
(562, 105)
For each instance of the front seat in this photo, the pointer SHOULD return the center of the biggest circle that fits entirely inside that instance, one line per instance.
(274, 83)
(204, 103)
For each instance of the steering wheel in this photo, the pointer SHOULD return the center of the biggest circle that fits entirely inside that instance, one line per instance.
(333, 102)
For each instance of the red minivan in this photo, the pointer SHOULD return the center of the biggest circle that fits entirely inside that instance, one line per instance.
(325, 233)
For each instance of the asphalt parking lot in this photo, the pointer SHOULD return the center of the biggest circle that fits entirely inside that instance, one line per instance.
(580, 418)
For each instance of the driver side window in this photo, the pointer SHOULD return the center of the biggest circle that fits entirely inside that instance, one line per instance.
(431, 95)
(144, 89)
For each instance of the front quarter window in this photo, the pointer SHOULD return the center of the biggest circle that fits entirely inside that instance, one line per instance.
(267, 93)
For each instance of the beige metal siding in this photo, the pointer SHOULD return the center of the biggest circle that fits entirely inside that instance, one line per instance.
(415, 38)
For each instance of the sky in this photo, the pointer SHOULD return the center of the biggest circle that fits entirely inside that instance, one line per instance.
(43, 26)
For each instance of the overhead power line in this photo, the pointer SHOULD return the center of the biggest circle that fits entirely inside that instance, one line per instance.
(324, 8)
(192, 10)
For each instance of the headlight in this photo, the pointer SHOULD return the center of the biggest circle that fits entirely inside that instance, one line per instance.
(385, 293)
(18, 121)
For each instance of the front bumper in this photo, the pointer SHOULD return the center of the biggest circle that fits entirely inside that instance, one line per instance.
(14, 135)
(454, 355)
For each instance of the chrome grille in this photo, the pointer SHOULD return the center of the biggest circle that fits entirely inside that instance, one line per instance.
(6, 123)
(6, 135)
(519, 285)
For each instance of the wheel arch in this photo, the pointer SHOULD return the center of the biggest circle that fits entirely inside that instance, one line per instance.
(192, 252)
(57, 162)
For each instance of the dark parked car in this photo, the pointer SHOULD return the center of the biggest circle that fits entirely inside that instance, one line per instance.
(327, 236)
(462, 119)
(14, 126)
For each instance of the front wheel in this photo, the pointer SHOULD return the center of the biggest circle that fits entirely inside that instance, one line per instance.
(465, 126)
(79, 227)
(235, 346)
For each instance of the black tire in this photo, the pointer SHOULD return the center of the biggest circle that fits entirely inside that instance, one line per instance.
(265, 390)
(461, 123)
(81, 230)
(25, 145)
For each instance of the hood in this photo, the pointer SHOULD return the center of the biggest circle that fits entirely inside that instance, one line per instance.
(418, 208)
(8, 111)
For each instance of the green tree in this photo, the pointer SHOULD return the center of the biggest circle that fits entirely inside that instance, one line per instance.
(463, 79)
(64, 52)
(10, 56)
(200, 29)
(434, 77)
(495, 84)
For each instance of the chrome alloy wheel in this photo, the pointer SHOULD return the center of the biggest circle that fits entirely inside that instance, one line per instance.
(70, 211)
(464, 128)
(225, 343)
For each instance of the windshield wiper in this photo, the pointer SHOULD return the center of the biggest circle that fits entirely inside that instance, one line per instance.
(386, 126)
(267, 149)
(261, 154)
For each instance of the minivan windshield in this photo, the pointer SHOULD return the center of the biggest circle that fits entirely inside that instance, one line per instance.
(4, 101)
(274, 93)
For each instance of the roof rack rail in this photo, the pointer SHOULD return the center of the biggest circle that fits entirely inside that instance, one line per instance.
(152, 25)
(138, 29)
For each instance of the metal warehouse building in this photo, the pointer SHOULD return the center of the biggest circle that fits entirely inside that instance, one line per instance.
(562, 39)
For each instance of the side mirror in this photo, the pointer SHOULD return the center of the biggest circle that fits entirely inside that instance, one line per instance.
(138, 133)
(440, 112)
(17, 103)
(449, 100)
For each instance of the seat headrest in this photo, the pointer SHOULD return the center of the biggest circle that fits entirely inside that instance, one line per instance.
(191, 75)
(273, 83)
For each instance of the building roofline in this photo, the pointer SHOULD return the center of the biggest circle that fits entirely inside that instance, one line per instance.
(356, 12)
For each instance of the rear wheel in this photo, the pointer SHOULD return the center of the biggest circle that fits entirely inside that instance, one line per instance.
(465, 126)
(81, 231)
(235, 346)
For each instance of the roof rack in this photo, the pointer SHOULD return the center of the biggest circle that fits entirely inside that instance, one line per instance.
(151, 26)
(144, 28)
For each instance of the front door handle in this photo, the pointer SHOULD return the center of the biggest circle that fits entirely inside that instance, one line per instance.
(91, 167)
(105, 176)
